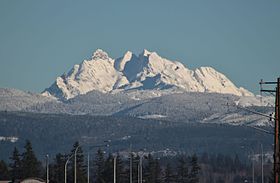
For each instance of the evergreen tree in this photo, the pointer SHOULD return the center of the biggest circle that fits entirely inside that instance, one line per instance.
(193, 176)
(135, 161)
(80, 166)
(31, 167)
(271, 177)
(182, 170)
(237, 179)
(121, 176)
(220, 180)
(229, 164)
(15, 165)
(168, 174)
(100, 166)
(219, 164)
(57, 169)
(205, 158)
(108, 175)
(158, 172)
(237, 163)
(135, 164)
(152, 170)
(4, 172)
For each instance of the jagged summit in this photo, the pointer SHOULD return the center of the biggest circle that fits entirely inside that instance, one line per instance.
(99, 54)
(145, 53)
(147, 71)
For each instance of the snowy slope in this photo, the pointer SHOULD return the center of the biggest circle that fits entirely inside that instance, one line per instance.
(95, 74)
(147, 104)
(157, 104)
(241, 117)
(16, 100)
(147, 71)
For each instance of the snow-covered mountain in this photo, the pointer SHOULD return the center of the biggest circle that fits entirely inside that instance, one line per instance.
(147, 71)
(147, 104)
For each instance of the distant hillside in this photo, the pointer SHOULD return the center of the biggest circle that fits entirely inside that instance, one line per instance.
(51, 133)
(176, 107)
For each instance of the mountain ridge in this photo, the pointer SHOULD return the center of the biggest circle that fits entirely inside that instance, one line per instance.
(147, 71)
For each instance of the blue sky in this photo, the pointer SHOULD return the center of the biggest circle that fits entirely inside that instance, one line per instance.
(40, 40)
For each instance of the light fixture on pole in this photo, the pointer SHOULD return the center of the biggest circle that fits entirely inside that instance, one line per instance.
(75, 166)
(65, 168)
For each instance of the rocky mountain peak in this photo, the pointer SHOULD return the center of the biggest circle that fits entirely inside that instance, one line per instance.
(99, 54)
(148, 71)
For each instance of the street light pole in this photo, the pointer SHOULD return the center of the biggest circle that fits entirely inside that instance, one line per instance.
(75, 163)
(88, 161)
(75, 169)
(253, 168)
(140, 173)
(115, 169)
(47, 168)
(65, 168)
(130, 166)
(88, 168)
(141, 177)
(138, 177)
(262, 163)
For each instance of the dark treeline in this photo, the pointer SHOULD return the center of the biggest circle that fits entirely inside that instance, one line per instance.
(180, 169)
(102, 168)
(22, 165)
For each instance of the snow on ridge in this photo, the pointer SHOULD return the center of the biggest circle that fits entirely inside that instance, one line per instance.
(246, 101)
(12, 139)
(147, 71)
(213, 81)
(152, 116)
(236, 118)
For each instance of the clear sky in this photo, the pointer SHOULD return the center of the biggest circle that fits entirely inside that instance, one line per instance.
(40, 40)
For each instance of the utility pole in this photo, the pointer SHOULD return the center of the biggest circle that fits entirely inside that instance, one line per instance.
(276, 127)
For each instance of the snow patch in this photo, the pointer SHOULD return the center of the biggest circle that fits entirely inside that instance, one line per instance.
(9, 139)
(152, 116)
(246, 101)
